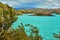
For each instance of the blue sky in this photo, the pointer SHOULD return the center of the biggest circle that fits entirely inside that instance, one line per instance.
(32, 3)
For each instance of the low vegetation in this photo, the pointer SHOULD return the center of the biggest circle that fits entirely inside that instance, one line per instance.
(20, 34)
(56, 35)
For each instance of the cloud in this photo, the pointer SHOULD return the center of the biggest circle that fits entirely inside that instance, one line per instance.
(55, 7)
(49, 4)
(32, 3)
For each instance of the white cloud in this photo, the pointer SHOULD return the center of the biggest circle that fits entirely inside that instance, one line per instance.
(39, 3)
(55, 7)
(56, 4)
(10, 3)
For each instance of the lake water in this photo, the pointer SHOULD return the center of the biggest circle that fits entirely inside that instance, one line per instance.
(46, 24)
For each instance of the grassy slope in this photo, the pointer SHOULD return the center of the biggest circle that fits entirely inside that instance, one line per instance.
(7, 17)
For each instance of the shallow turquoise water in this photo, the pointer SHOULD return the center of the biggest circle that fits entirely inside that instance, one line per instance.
(46, 24)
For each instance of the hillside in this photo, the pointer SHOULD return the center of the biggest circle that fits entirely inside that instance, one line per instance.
(41, 11)
(7, 15)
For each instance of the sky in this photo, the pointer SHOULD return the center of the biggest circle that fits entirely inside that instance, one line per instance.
(32, 3)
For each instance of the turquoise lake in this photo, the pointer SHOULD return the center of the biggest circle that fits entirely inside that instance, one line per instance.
(46, 24)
